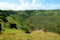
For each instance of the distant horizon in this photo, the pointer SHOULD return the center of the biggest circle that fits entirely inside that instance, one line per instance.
(31, 9)
(29, 4)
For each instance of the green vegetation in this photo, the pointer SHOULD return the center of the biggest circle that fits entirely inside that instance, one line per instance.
(29, 21)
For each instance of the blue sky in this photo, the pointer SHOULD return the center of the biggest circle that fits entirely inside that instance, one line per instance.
(29, 4)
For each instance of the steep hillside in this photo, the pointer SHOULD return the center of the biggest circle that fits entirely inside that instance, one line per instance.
(30, 20)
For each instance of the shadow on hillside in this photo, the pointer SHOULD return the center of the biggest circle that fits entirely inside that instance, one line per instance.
(5, 13)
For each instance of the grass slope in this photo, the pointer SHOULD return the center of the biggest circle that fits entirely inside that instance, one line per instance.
(13, 34)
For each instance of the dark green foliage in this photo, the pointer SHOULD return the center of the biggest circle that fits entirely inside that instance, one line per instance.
(29, 20)
(13, 26)
(0, 28)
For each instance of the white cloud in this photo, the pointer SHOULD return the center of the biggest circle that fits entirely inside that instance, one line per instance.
(25, 5)
(55, 6)
(52, 6)
(6, 5)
